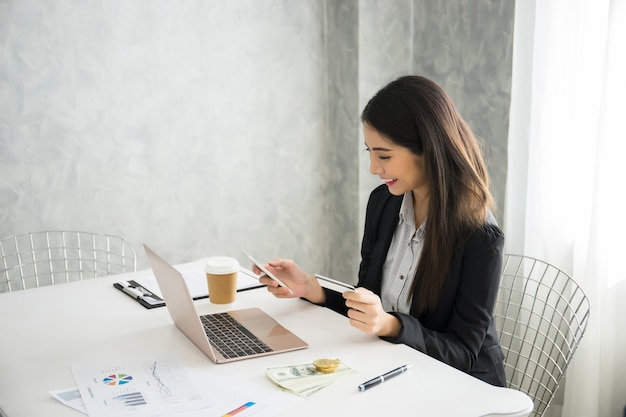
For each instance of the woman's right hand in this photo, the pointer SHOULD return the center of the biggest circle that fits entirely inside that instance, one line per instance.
(301, 284)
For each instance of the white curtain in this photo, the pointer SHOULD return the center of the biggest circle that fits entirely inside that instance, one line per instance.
(566, 182)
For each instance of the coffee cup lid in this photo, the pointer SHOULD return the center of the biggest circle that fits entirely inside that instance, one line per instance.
(221, 265)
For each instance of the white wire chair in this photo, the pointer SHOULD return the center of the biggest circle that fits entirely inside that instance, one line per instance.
(541, 315)
(44, 258)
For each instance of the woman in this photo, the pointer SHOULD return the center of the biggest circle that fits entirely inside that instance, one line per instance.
(431, 250)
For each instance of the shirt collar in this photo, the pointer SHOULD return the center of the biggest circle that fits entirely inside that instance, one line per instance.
(407, 214)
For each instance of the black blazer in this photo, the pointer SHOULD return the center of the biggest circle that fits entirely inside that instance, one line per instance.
(461, 330)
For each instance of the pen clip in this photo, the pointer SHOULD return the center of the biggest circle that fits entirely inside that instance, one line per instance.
(137, 294)
(133, 291)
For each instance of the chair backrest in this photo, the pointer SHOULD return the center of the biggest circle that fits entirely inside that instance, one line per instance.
(541, 315)
(43, 258)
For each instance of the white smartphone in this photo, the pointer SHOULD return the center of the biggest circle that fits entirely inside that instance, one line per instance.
(266, 272)
(334, 281)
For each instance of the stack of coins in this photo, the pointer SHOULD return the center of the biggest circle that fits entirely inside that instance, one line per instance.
(326, 366)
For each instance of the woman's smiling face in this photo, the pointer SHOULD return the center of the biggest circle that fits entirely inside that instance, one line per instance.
(397, 166)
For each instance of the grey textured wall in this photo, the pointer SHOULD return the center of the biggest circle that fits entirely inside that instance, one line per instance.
(205, 128)
(466, 46)
(193, 126)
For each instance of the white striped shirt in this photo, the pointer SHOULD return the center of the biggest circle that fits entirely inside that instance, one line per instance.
(402, 258)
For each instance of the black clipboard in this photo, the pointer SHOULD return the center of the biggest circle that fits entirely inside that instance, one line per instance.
(150, 300)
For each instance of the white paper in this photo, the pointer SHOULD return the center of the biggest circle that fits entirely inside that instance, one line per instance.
(70, 397)
(196, 280)
(141, 388)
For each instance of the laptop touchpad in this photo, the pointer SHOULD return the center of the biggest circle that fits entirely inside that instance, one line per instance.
(259, 323)
(266, 328)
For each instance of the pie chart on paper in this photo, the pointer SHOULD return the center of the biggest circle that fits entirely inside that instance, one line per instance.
(117, 379)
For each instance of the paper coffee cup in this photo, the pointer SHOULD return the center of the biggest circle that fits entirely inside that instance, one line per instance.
(221, 275)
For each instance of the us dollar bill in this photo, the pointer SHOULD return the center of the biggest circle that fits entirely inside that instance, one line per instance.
(305, 379)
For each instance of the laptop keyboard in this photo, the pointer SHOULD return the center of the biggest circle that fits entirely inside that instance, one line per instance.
(230, 338)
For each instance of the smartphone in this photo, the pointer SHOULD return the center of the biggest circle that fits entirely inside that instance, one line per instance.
(266, 272)
(334, 281)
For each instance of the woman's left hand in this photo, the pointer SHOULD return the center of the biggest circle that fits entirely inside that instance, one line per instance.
(366, 313)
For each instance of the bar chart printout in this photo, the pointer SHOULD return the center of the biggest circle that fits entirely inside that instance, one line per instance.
(138, 388)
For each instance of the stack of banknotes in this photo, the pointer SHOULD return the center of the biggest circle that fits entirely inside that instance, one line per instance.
(304, 379)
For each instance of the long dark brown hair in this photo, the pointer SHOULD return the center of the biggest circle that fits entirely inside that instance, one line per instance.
(416, 113)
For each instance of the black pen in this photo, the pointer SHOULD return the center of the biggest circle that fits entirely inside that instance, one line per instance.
(382, 378)
(138, 294)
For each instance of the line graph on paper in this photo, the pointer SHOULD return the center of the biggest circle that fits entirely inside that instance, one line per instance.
(172, 382)
(163, 390)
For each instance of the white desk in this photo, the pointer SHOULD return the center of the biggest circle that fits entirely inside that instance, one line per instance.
(44, 330)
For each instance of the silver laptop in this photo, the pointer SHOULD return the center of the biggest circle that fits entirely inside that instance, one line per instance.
(212, 333)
